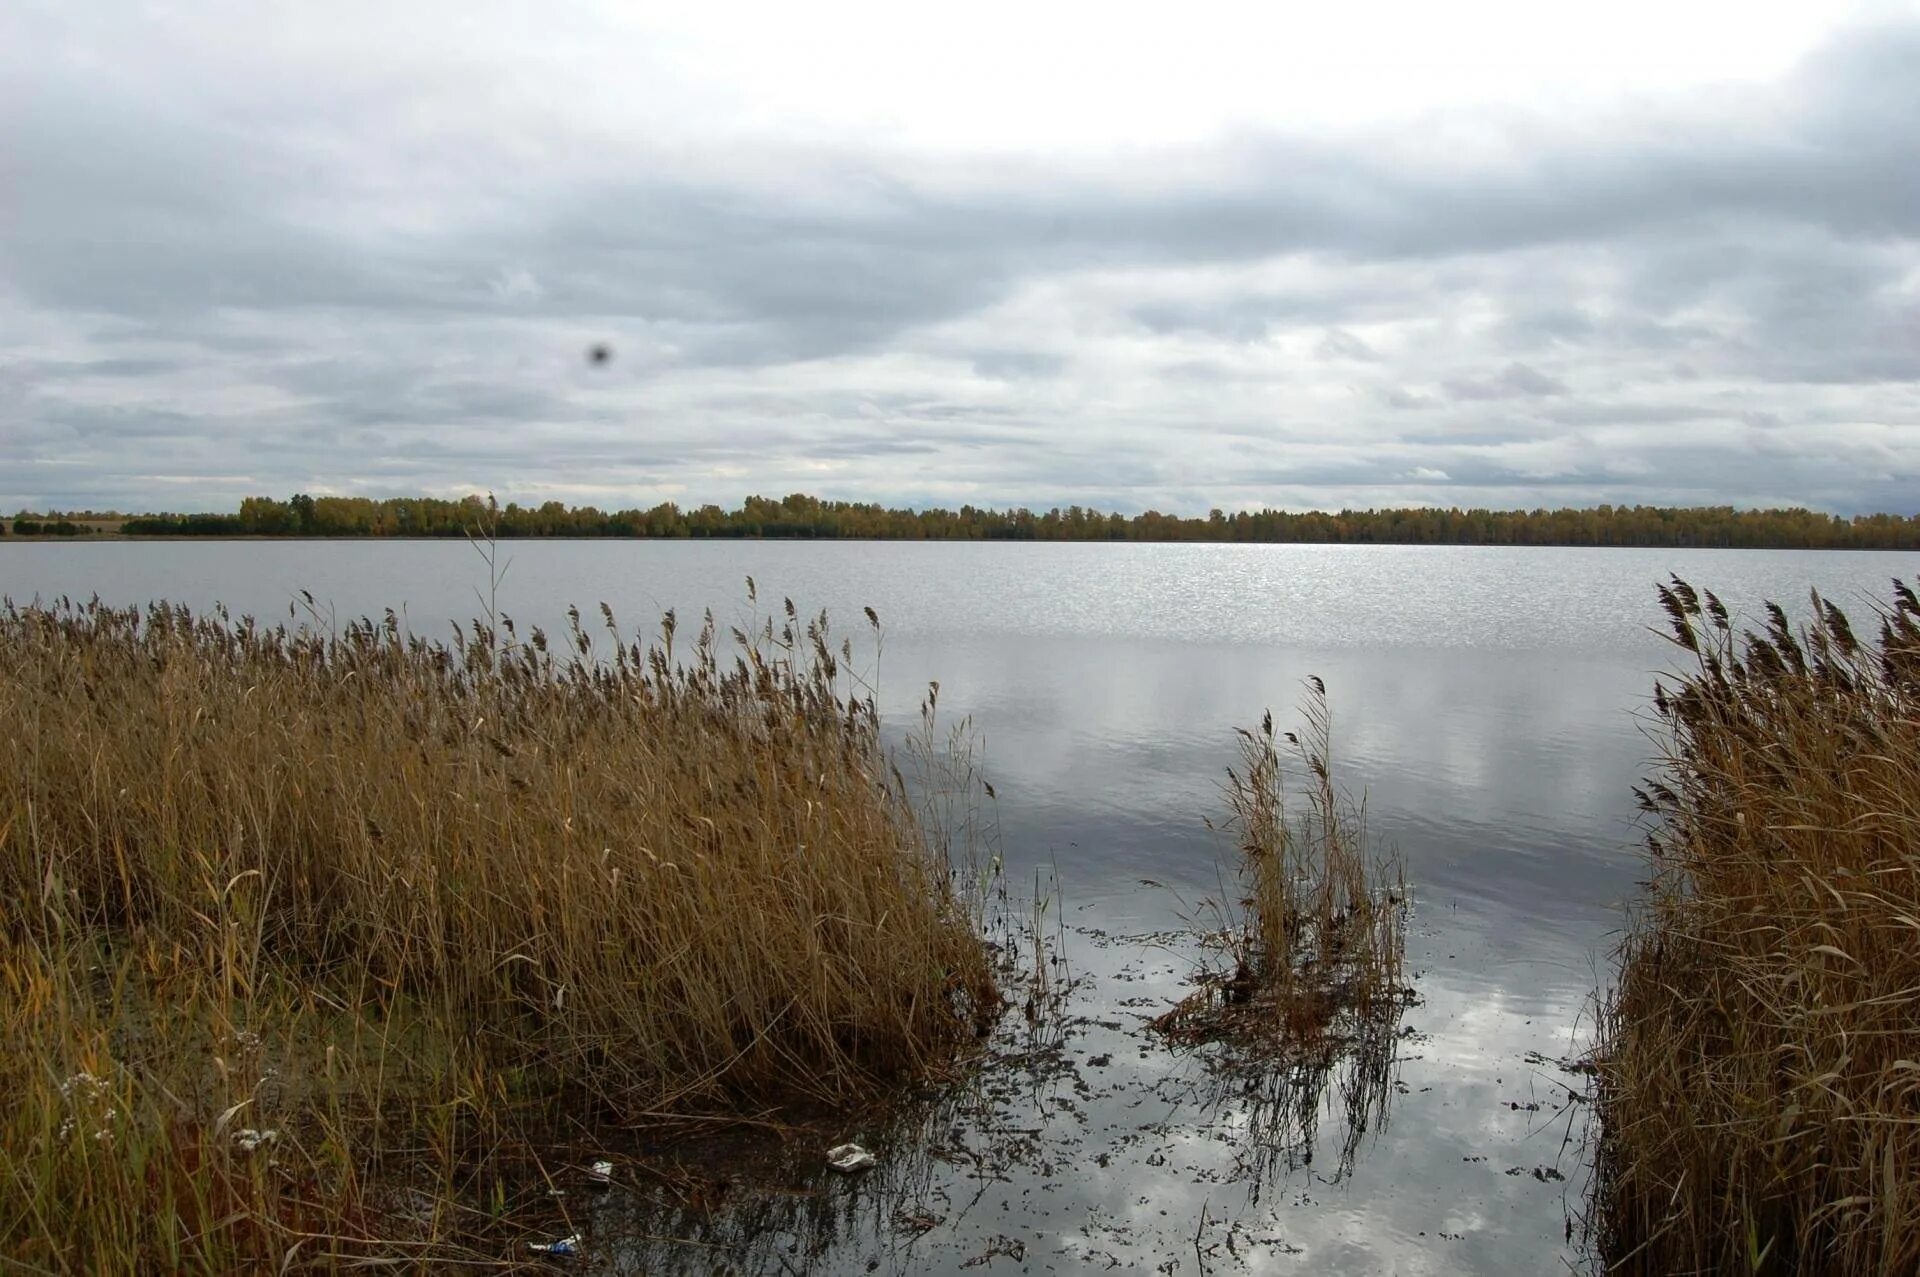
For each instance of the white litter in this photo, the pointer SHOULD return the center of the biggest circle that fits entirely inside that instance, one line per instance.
(848, 1158)
(565, 1246)
(601, 1172)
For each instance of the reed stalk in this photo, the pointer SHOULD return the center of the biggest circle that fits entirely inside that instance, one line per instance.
(1318, 945)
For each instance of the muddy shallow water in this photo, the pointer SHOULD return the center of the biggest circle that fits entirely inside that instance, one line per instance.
(1485, 700)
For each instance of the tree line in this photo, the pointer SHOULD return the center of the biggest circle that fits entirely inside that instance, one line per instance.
(27, 525)
(801, 516)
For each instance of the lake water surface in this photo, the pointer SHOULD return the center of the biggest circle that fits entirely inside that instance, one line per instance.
(1487, 701)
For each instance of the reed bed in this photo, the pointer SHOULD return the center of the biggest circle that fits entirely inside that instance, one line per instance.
(1759, 1062)
(307, 937)
(1317, 948)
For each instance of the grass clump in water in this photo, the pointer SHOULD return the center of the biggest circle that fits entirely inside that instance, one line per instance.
(1759, 1061)
(313, 946)
(1316, 953)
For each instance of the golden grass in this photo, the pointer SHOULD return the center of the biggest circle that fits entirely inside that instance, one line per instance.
(1318, 948)
(415, 908)
(1759, 1062)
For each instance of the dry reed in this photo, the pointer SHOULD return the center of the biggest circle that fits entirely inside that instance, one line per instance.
(1317, 949)
(304, 935)
(1759, 1061)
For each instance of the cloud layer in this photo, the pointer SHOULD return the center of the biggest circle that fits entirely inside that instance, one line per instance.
(254, 258)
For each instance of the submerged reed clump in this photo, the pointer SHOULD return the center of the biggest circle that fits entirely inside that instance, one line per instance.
(1318, 948)
(1759, 1062)
(303, 937)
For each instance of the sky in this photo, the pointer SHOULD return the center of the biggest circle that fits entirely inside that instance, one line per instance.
(1129, 256)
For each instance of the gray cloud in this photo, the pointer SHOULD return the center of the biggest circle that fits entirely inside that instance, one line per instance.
(289, 281)
(1017, 364)
(1516, 380)
(1341, 344)
(1400, 397)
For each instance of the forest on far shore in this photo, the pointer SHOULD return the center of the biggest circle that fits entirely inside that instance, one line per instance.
(805, 517)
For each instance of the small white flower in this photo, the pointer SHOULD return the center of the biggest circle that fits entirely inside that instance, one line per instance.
(84, 1084)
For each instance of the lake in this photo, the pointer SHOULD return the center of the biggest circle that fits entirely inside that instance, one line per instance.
(1488, 702)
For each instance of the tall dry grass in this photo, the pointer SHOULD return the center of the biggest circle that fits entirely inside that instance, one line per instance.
(305, 936)
(1319, 942)
(1759, 1062)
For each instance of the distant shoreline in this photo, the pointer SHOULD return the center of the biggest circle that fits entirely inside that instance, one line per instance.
(254, 538)
(804, 518)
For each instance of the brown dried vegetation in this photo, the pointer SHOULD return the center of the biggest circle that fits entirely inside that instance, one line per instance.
(1317, 949)
(1759, 1062)
(302, 932)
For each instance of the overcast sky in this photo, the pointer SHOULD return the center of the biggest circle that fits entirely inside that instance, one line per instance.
(1132, 256)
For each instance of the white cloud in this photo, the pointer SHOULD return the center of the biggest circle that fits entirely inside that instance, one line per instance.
(1500, 255)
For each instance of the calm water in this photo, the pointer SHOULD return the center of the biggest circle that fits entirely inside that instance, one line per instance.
(1487, 701)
